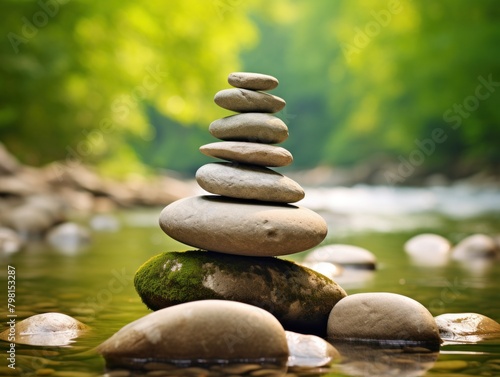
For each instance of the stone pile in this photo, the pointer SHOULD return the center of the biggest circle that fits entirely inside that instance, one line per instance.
(250, 213)
(248, 218)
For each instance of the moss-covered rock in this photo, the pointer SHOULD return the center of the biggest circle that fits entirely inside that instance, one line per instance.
(300, 298)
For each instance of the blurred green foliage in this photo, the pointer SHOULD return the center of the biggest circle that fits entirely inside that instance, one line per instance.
(122, 83)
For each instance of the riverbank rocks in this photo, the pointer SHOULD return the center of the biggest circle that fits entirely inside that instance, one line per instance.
(47, 329)
(383, 318)
(209, 331)
(467, 327)
(300, 298)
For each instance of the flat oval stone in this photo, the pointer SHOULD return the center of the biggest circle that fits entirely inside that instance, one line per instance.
(253, 127)
(252, 81)
(248, 153)
(171, 278)
(247, 101)
(242, 227)
(382, 317)
(467, 327)
(248, 182)
(210, 331)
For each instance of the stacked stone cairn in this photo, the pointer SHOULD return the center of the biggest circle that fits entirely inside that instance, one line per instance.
(233, 299)
(251, 214)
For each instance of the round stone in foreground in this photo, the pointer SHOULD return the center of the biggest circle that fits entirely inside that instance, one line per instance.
(252, 81)
(382, 318)
(211, 331)
(242, 227)
(248, 153)
(248, 182)
(253, 127)
(172, 278)
(247, 101)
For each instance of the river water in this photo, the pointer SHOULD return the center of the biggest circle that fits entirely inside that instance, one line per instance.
(94, 284)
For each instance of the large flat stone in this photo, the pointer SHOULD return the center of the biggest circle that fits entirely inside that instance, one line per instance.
(247, 101)
(299, 298)
(248, 153)
(210, 331)
(253, 127)
(242, 227)
(248, 182)
(252, 81)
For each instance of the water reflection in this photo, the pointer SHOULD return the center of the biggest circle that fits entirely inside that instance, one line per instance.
(373, 361)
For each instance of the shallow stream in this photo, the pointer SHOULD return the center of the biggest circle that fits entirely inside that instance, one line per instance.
(94, 284)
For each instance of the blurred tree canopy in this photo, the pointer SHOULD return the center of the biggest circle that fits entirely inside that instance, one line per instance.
(122, 83)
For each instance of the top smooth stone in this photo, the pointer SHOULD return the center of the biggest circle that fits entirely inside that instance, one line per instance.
(248, 101)
(252, 81)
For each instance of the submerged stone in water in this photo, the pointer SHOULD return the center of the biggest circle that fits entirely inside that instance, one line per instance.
(382, 318)
(309, 351)
(300, 298)
(477, 246)
(47, 329)
(211, 331)
(347, 256)
(467, 327)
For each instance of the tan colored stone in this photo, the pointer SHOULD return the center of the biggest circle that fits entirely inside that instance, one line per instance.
(247, 101)
(242, 227)
(380, 317)
(252, 81)
(248, 153)
(253, 127)
(248, 182)
(210, 330)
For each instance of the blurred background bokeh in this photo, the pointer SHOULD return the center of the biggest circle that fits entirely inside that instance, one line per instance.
(385, 92)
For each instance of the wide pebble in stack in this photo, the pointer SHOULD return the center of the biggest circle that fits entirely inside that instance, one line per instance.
(251, 212)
